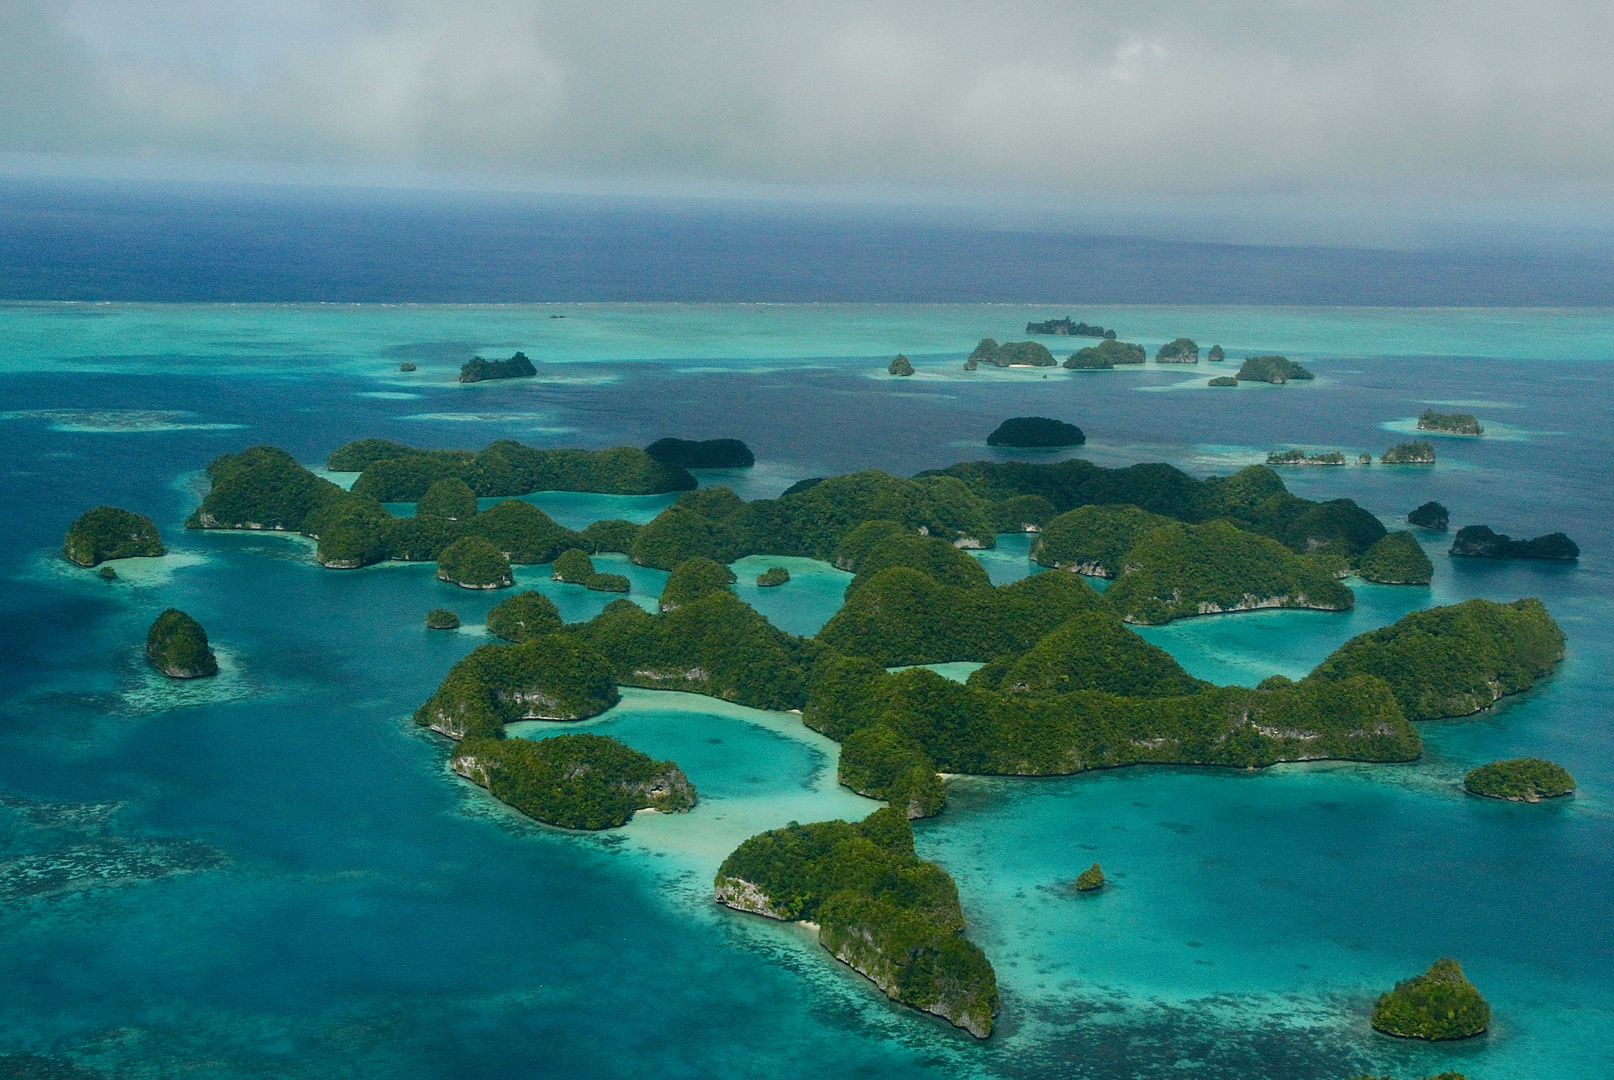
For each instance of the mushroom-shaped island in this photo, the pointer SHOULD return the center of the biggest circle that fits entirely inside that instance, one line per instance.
(177, 645)
(108, 532)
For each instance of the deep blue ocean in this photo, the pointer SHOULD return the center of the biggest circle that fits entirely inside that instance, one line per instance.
(273, 874)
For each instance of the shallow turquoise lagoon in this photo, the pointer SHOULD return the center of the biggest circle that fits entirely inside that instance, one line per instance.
(274, 874)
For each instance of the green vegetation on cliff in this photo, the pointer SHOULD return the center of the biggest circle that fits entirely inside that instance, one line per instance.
(1094, 540)
(177, 645)
(1009, 354)
(1090, 879)
(693, 579)
(1431, 515)
(395, 473)
(1223, 380)
(573, 567)
(1300, 457)
(548, 677)
(1396, 560)
(1272, 369)
(1520, 780)
(882, 764)
(1217, 353)
(1453, 661)
(442, 619)
(108, 532)
(900, 366)
(1035, 432)
(879, 908)
(1450, 423)
(876, 545)
(1181, 351)
(574, 781)
(1439, 1004)
(1180, 570)
(773, 577)
(261, 488)
(1105, 355)
(1092, 651)
(1417, 452)
(474, 563)
(1479, 542)
(1066, 328)
(525, 615)
(452, 499)
(479, 370)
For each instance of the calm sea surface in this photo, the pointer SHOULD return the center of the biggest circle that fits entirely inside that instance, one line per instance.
(272, 874)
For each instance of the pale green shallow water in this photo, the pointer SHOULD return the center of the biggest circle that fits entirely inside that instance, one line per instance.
(289, 883)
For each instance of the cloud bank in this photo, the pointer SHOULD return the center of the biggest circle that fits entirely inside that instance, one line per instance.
(1424, 98)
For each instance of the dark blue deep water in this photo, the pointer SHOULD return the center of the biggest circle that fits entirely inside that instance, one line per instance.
(272, 874)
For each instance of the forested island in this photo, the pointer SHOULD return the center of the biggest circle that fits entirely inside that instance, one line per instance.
(108, 532)
(1396, 560)
(1449, 423)
(1035, 432)
(177, 646)
(1105, 355)
(1271, 369)
(1479, 542)
(1181, 351)
(574, 781)
(1009, 354)
(1431, 515)
(702, 454)
(900, 366)
(1439, 1004)
(1064, 327)
(1300, 457)
(1520, 780)
(479, 370)
(1417, 452)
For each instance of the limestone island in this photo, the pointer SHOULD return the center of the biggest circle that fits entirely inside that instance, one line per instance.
(1009, 354)
(1271, 369)
(878, 908)
(694, 579)
(548, 677)
(773, 576)
(1223, 380)
(1439, 1004)
(1181, 351)
(1396, 560)
(523, 616)
(1105, 355)
(1091, 879)
(1065, 328)
(474, 563)
(1520, 780)
(406, 366)
(1431, 515)
(1479, 542)
(1300, 457)
(702, 453)
(108, 532)
(900, 366)
(1035, 432)
(177, 645)
(442, 619)
(106, 573)
(574, 781)
(1217, 354)
(1417, 452)
(1449, 423)
(479, 370)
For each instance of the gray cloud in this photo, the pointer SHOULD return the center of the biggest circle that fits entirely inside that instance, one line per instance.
(1424, 98)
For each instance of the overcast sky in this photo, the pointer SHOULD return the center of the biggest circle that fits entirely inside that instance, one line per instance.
(1413, 100)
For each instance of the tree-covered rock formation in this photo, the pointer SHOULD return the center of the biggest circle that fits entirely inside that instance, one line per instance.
(108, 532)
(1182, 570)
(1453, 661)
(106, 573)
(1092, 651)
(1094, 540)
(474, 563)
(772, 577)
(479, 370)
(1396, 560)
(693, 579)
(900, 366)
(573, 567)
(261, 488)
(548, 677)
(610, 535)
(1065, 328)
(879, 908)
(452, 499)
(876, 545)
(1272, 369)
(406, 366)
(1223, 380)
(1021, 513)
(1216, 354)
(1431, 515)
(391, 472)
(882, 764)
(1181, 351)
(1417, 452)
(574, 781)
(1479, 542)
(1520, 780)
(525, 615)
(617, 583)
(1105, 355)
(1300, 457)
(1090, 879)
(702, 453)
(1009, 354)
(1449, 423)
(1035, 431)
(442, 619)
(1439, 1004)
(177, 645)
